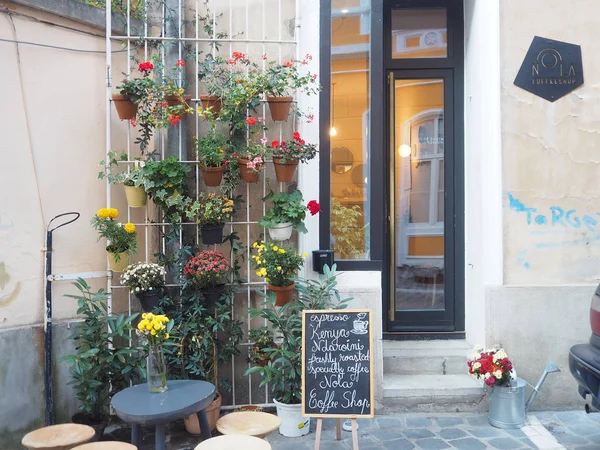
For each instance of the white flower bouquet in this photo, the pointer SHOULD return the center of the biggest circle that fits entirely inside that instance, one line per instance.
(144, 277)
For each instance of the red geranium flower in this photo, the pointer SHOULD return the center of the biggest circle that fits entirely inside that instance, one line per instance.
(288, 64)
(238, 55)
(180, 63)
(296, 136)
(314, 207)
(275, 144)
(146, 66)
(251, 121)
(173, 119)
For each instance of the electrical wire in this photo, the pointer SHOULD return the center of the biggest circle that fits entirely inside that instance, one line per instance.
(79, 50)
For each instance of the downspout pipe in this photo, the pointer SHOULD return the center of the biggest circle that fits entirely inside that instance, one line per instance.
(49, 415)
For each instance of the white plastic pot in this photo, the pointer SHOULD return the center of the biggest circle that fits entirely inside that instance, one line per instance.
(292, 422)
(281, 232)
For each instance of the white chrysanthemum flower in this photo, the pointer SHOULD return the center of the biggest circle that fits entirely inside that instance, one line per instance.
(498, 374)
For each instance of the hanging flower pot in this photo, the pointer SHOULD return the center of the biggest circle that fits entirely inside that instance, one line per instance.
(211, 101)
(149, 299)
(156, 369)
(281, 232)
(212, 295)
(283, 294)
(136, 196)
(126, 109)
(117, 264)
(284, 171)
(212, 235)
(280, 108)
(212, 175)
(248, 175)
(192, 425)
(176, 100)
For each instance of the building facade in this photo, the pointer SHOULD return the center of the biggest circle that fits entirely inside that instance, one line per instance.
(461, 207)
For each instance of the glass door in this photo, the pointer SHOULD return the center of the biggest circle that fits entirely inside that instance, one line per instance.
(420, 127)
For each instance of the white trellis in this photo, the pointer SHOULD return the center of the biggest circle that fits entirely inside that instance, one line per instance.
(255, 27)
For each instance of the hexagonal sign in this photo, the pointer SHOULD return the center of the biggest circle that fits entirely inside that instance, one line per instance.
(551, 69)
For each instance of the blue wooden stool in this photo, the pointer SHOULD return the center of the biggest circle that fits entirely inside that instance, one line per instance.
(137, 406)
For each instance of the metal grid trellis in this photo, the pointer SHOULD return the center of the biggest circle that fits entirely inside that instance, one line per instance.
(256, 27)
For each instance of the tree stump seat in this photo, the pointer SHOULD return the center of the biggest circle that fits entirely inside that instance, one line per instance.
(234, 442)
(58, 437)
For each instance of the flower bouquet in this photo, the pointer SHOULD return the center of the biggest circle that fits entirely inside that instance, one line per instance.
(155, 330)
(492, 366)
(211, 211)
(207, 271)
(287, 155)
(278, 264)
(122, 238)
(146, 281)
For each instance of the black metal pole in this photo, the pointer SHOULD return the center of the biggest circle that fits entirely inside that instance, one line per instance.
(48, 334)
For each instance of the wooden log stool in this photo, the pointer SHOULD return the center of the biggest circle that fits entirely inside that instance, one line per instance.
(106, 445)
(234, 442)
(249, 423)
(58, 437)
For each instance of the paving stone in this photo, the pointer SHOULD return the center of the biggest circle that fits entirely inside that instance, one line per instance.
(468, 444)
(584, 428)
(485, 432)
(449, 421)
(451, 433)
(398, 444)
(387, 434)
(432, 444)
(364, 423)
(545, 416)
(504, 443)
(418, 433)
(570, 439)
(418, 422)
(527, 442)
(298, 446)
(587, 447)
(478, 421)
(571, 416)
(388, 422)
(594, 439)
(517, 432)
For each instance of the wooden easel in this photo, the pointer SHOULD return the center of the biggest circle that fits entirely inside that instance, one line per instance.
(338, 432)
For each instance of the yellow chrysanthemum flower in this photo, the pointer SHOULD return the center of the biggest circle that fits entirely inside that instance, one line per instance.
(167, 336)
(112, 213)
(304, 255)
(103, 213)
(278, 267)
(275, 248)
(282, 251)
(153, 332)
(129, 227)
(258, 273)
(144, 316)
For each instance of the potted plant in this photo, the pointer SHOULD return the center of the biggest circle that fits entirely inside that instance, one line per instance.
(131, 92)
(279, 265)
(101, 365)
(207, 339)
(132, 179)
(279, 81)
(262, 339)
(347, 233)
(122, 239)
(213, 75)
(283, 372)
(175, 91)
(288, 212)
(250, 162)
(211, 150)
(146, 281)
(207, 271)
(155, 331)
(287, 155)
(211, 211)
(165, 183)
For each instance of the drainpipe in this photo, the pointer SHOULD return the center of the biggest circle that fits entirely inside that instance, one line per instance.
(48, 317)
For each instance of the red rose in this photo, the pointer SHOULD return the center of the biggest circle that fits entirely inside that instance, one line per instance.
(314, 207)
(275, 144)
(251, 121)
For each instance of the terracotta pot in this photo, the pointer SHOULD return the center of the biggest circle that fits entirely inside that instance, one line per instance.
(280, 108)
(192, 425)
(248, 175)
(211, 101)
(126, 109)
(121, 264)
(212, 175)
(136, 196)
(285, 171)
(283, 294)
(175, 100)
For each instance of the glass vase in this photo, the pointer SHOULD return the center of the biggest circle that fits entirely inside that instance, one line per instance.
(156, 369)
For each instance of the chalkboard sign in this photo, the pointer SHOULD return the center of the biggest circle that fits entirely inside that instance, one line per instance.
(337, 369)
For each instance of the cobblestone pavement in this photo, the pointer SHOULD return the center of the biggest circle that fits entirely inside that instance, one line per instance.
(545, 430)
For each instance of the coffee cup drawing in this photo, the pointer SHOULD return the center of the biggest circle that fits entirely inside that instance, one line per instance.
(360, 326)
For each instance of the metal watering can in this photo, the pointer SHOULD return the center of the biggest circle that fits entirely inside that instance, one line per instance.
(508, 408)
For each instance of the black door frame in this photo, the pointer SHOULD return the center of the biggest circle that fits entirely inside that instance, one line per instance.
(450, 68)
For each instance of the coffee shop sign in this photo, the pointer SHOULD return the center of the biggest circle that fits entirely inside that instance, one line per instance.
(551, 69)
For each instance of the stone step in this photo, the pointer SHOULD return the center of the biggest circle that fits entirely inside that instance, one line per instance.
(437, 357)
(432, 393)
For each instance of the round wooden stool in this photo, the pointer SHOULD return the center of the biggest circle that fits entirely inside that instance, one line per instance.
(234, 442)
(249, 423)
(58, 437)
(106, 445)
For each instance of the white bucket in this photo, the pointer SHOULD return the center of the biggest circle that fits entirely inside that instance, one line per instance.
(281, 232)
(292, 422)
